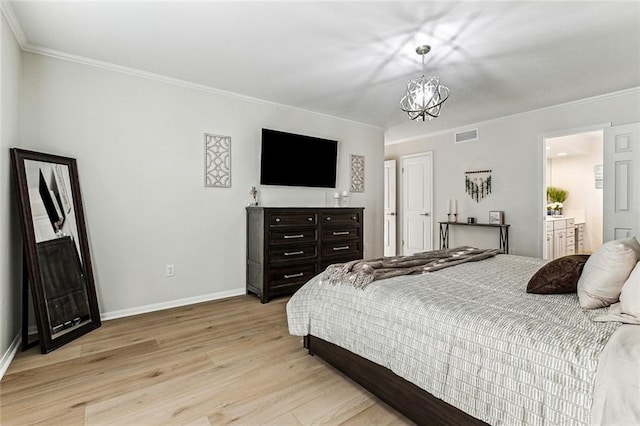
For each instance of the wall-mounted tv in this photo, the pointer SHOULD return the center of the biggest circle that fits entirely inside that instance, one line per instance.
(290, 159)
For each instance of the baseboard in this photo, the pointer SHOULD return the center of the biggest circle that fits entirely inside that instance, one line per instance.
(9, 355)
(172, 304)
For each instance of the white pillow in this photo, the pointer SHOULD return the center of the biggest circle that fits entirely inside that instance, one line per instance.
(630, 295)
(606, 271)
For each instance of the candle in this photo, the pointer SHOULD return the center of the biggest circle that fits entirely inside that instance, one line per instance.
(454, 209)
(449, 206)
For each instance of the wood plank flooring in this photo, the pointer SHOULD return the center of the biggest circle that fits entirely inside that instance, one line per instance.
(220, 362)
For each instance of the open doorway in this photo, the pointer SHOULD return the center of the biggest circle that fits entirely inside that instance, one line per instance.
(574, 165)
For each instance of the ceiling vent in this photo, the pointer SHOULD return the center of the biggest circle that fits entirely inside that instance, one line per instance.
(467, 136)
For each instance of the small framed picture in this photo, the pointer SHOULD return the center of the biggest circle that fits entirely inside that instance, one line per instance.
(496, 218)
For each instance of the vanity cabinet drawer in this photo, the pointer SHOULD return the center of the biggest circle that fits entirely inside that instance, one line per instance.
(559, 224)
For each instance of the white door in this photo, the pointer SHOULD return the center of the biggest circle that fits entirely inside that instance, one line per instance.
(390, 208)
(417, 189)
(621, 170)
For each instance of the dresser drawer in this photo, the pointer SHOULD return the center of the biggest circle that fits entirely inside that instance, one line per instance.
(340, 233)
(347, 248)
(292, 275)
(293, 235)
(340, 218)
(293, 252)
(291, 218)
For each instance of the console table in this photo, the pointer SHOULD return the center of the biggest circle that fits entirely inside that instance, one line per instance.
(504, 233)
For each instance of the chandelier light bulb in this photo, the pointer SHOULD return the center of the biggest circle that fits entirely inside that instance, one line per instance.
(424, 96)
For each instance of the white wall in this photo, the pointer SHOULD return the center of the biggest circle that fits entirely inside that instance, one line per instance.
(10, 240)
(139, 145)
(511, 147)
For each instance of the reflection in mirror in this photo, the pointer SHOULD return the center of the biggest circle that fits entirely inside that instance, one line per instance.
(58, 265)
(54, 225)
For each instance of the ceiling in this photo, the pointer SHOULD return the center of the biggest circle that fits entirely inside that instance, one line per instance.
(576, 145)
(351, 59)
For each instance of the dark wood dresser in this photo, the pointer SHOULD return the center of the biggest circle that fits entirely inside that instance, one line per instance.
(286, 246)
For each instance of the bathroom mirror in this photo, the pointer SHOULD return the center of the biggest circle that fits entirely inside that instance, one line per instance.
(58, 277)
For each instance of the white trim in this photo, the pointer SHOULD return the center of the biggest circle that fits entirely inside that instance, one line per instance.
(13, 22)
(173, 81)
(9, 355)
(481, 123)
(172, 304)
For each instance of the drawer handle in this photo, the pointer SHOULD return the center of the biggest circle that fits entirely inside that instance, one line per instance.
(294, 236)
(327, 218)
(355, 218)
(277, 219)
(310, 219)
(299, 274)
(341, 233)
(341, 248)
(293, 253)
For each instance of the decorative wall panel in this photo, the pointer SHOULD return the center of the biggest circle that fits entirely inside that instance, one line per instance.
(217, 161)
(357, 173)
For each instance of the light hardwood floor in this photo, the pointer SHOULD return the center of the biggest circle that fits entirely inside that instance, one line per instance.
(220, 362)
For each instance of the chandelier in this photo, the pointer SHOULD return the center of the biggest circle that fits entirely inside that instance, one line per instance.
(424, 96)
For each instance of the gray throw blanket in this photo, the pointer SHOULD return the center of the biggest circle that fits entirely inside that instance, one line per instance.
(359, 273)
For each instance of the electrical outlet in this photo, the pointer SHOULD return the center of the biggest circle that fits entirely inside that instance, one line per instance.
(171, 271)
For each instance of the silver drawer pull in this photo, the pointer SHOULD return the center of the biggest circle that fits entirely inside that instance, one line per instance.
(310, 219)
(341, 233)
(327, 218)
(341, 248)
(355, 218)
(294, 236)
(277, 219)
(293, 253)
(299, 274)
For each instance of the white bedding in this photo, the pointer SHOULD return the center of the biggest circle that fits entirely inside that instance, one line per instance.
(471, 336)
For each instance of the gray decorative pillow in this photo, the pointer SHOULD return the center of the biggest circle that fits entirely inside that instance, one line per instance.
(558, 276)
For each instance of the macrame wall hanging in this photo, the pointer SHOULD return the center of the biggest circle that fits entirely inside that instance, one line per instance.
(477, 184)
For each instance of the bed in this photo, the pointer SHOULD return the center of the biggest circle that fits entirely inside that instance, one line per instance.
(467, 344)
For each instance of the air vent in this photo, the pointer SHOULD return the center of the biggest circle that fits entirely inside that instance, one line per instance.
(467, 136)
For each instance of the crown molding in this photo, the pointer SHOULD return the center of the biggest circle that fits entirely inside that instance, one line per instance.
(173, 81)
(16, 28)
(506, 117)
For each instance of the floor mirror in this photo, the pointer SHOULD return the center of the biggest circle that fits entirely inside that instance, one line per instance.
(58, 283)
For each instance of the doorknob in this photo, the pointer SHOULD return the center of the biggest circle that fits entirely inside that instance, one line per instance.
(424, 214)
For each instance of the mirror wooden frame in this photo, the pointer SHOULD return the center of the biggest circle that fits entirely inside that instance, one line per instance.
(35, 268)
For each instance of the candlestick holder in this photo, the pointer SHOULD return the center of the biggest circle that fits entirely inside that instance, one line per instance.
(452, 217)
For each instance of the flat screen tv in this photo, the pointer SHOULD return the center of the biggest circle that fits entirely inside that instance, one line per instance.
(290, 159)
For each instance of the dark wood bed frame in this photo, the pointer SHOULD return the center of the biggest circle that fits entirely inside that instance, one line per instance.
(413, 402)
